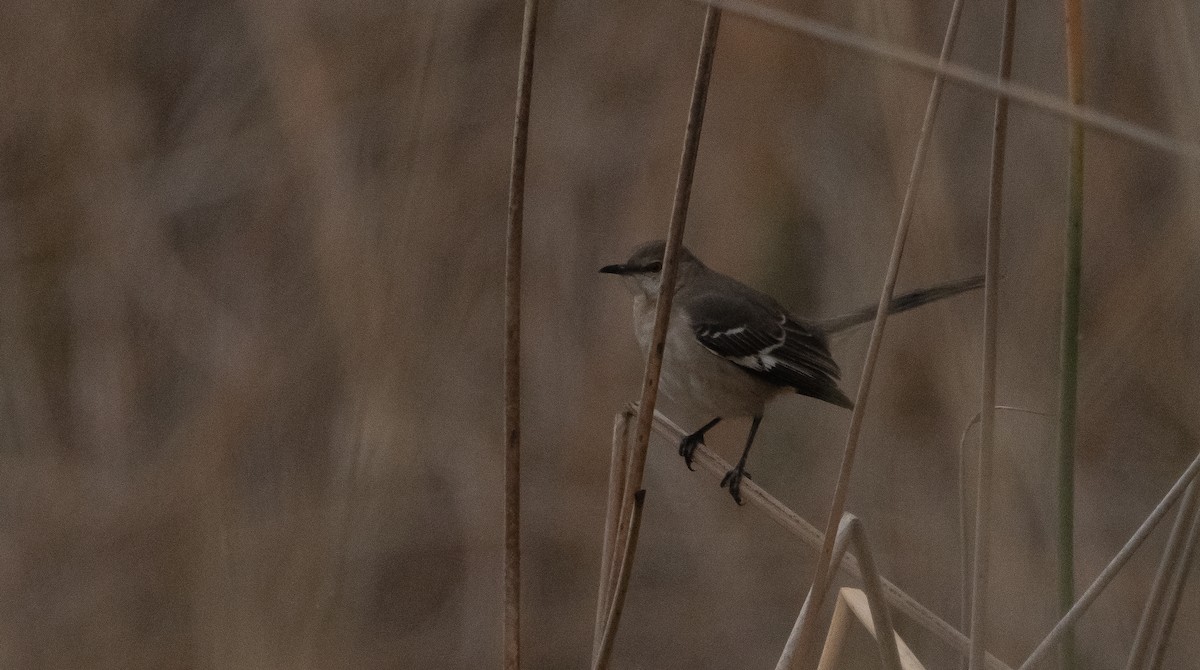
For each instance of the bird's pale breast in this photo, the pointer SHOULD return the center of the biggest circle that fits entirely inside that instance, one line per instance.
(697, 378)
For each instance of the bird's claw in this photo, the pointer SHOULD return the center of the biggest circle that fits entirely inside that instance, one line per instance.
(733, 480)
(687, 448)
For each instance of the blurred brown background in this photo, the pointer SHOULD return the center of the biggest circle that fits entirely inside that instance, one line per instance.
(250, 323)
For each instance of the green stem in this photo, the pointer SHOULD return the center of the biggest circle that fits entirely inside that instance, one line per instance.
(1068, 397)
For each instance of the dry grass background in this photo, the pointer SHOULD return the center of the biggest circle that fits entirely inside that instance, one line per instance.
(251, 324)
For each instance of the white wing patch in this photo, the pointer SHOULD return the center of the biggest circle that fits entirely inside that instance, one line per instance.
(724, 333)
(763, 361)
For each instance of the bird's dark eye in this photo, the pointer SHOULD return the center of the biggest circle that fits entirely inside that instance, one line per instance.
(654, 266)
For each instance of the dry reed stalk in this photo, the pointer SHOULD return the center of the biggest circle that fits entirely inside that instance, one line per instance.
(851, 531)
(781, 514)
(991, 296)
(1175, 594)
(683, 191)
(613, 619)
(807, 624)
(964, 76)
(512, 347)
(853, 605)
(1167, 568)
(965, 541)
(1114, 566)
(1069, 343)
(616, 493)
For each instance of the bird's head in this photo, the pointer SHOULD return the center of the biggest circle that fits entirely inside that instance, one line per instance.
(643, 271)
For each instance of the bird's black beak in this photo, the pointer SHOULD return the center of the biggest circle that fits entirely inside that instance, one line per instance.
(617, 269)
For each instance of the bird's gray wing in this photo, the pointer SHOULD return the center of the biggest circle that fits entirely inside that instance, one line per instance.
(756, 334)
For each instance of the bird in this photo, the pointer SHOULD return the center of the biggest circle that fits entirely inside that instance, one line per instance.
(731, 349)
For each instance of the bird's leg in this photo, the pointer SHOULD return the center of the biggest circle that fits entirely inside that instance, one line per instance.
(687, 446)
(733, 478)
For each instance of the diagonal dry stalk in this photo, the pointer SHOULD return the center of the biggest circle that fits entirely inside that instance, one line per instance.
(807, 625)
(964, 76)
(512, 348)
(1172, 555)
(613, 616)
(670, 271)
(616, 489)
(1114, 566)
(1175, 594)
(851, 531)
(853, 605)
(755, 496)
(987, 412)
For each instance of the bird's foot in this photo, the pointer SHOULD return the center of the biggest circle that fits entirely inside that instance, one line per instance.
(687, 447)
(733, 480)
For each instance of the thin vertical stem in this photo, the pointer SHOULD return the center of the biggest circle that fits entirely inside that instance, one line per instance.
(965, 538)
(512, 349)
(683, 192)
(1069, 362)
(1166, 570)
(808, 628)
(1114, 566)
(987, 412)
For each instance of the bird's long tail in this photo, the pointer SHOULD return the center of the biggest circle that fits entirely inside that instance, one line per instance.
(901, 303)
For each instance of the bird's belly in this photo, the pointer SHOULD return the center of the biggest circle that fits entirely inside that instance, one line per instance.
(707, 384)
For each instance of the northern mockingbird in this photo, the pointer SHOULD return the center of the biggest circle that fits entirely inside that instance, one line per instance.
(730, 348)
